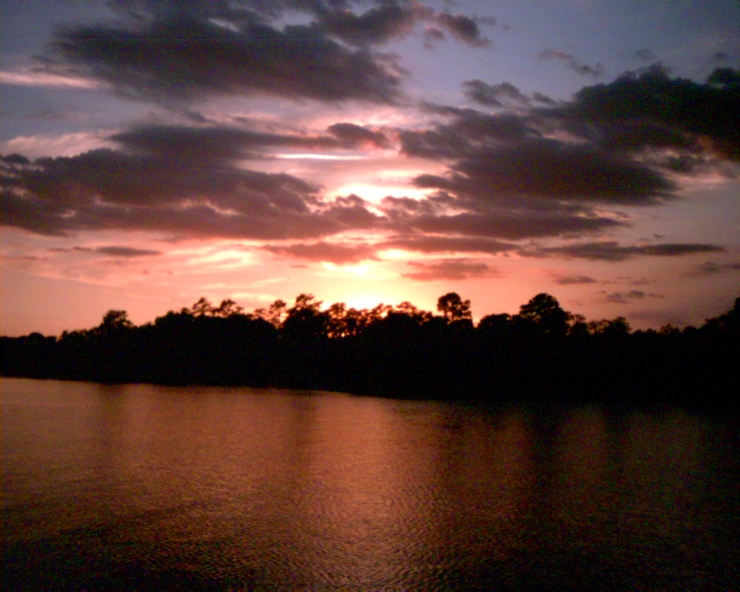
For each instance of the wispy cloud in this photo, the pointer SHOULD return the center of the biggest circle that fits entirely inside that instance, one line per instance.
(624, 297)
(612, 251)
(449, 269)
(711, 268)
(573, 63)
(47, 79)
(566, 280)
(119, 251)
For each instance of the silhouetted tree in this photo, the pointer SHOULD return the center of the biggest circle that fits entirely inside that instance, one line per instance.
(614, 327)
(728, 322)
(228, 308)
(545, 312)
(577, 326)
(114, 323)
(495, 323)
(543, 352)
(454, 308)
(305, 323)
(202, 308)
(273, 315)
(669, 330)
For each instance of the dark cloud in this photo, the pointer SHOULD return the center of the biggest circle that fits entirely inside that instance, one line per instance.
(377, 25)
(550, 169)
(725, 77)
(111, 251)
(183, 56)
(624, 297)
(392, 19)
(323, 251)
(645, 55)
(506, 225)
(567, 280)
(447, 244)
(503, 94)
(468, 133)
(185, 181)
(542, 170)
(463, 28)
(188, 181)
(439, 144)
(510, 183)
(711, 268)
(353, 136)
(170, 50)
(65, 250)
(573, 63)
(502, 156)
(543, 99)
(115, 251)
(635, 135)
(660, 111)
(22, 258)
(119, 178)
(397, 208)
(554, 169)
(432, 35)
(237, 10)
(449, 269)
(496, 95)
(720, 55)
(612, 251)
(212, 144)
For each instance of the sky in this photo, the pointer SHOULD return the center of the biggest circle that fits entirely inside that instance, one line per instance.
(154, 152)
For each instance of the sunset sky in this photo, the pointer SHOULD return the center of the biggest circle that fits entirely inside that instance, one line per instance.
(154, 152)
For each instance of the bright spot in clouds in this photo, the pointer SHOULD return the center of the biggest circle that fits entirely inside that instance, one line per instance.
(319, 157)
(45, 80)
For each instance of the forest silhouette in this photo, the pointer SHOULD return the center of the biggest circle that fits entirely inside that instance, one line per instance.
(544, 352)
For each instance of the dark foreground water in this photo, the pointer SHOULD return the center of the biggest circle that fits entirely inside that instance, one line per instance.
(143, 487)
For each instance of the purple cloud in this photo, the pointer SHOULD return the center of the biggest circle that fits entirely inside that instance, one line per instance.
(612, 251)
(573, 63)
(624, 297)
(449, 269)
(323, 251)
(115, 251)
(186, 56)
(567, 280)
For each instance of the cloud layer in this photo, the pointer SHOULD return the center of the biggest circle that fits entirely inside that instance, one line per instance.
(184, 51)
(516, 173)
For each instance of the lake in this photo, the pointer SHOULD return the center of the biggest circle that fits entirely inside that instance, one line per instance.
(142, 487)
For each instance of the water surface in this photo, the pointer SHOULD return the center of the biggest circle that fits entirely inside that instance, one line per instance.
(140, 486)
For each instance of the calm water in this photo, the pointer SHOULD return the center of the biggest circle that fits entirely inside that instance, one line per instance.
(147, 487)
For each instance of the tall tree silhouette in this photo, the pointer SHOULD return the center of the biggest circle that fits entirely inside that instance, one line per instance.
(114, 322)
(545, 312)
(454, 308)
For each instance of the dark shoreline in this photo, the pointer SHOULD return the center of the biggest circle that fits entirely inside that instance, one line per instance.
(542, 354)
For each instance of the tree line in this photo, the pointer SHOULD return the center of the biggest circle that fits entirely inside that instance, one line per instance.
(543, 352)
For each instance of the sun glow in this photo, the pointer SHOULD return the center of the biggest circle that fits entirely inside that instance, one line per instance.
(319, 157)
(364, 271)
(364, 302)
(227, 258)
(394, 255)
(375, 193)
(361, 269)
(31, 78)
